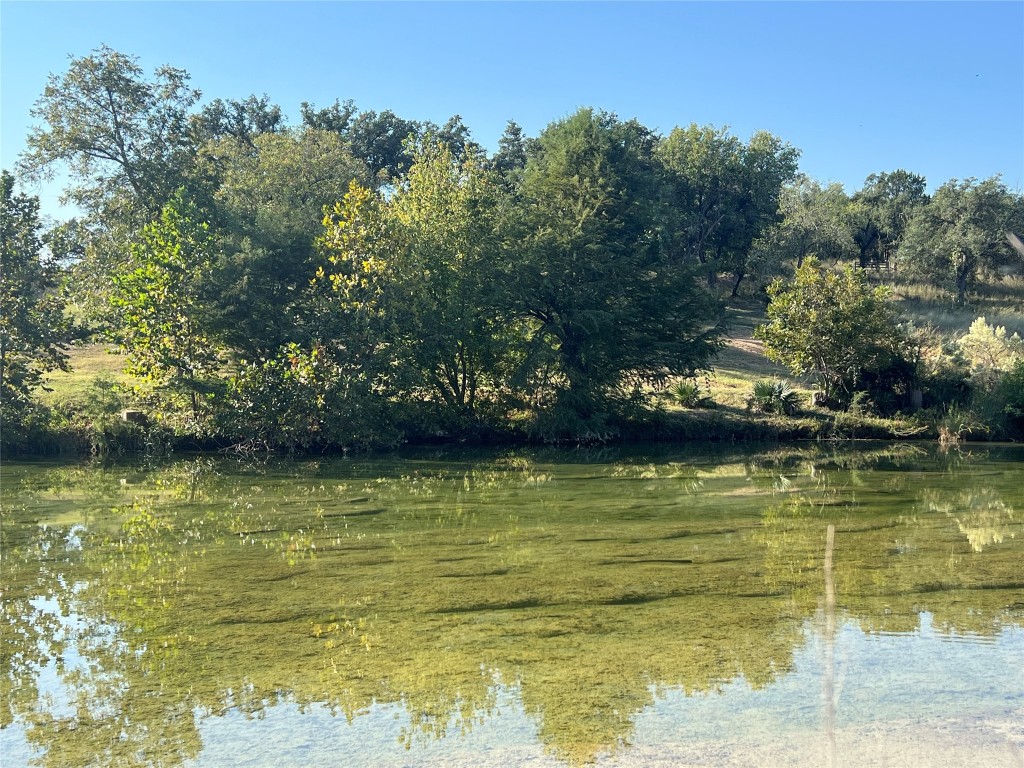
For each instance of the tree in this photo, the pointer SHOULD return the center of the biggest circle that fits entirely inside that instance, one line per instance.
(767, 164)
(378, 139)
(816, 221)
(833, 325)
(162, 315)
(588, 270)
(961, 233)
(120, 135)
(452, 329)
(721, 194)
(268, 200)
(240, 120)
(510, 159)
(888, 202)
(33, 329)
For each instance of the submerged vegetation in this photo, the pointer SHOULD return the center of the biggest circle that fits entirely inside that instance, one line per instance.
(435, 583)
(361, 279)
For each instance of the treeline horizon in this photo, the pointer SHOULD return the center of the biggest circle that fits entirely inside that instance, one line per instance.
(359, 275)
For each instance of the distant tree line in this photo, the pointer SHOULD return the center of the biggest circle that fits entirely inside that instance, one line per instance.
(360, 275)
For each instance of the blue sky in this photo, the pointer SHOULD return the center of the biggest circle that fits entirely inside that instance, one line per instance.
(859, 87)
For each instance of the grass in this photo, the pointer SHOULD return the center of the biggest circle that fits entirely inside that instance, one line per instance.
(87, 362)
(1000, 303)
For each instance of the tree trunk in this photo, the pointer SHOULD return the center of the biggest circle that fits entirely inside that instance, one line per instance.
(739, 278)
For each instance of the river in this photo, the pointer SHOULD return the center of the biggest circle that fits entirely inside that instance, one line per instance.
(825, 605)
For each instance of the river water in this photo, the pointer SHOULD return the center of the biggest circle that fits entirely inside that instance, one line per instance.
(828, 605)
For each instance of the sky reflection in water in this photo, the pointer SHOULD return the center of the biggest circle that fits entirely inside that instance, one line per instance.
(533, 608)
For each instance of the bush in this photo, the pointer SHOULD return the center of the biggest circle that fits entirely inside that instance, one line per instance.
(834, 325)
(989, 352)
(773, 396)
(688, 394)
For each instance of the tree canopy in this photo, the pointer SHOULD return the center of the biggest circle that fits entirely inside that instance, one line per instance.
(363, 271)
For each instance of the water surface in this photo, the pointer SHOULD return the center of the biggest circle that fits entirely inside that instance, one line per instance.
(791, 607)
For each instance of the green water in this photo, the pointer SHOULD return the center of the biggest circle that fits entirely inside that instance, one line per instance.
(791, 607)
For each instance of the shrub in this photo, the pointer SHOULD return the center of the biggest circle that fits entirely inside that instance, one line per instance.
(688, 394)
(773, 396)
(833, 325)
(989, 352)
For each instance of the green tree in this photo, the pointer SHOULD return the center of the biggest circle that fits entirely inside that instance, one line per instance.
(33, 328)
(833, 325)
(269, 199)
(721, 194)
(122, 136)
(587, 268)
(128, 144)
(240, 120)
(816, 221)
(510, 159)
(378, 139)
(887, 202)
(961, 234)
(334, 385)
(162, 315)
(767, 164)
(452, 328)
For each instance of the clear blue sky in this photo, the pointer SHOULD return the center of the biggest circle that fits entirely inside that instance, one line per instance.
(860, 87)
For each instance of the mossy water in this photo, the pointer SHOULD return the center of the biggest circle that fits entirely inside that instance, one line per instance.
(811, 606)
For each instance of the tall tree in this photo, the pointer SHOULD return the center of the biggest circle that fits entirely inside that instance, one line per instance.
(510, 159)
(889, 202)
(721, 194)
(269, 203)
(961, 233)
(33, 329)
(241, 120)
(445, 260)
(816, 221)
(120, 134)
(378, 139)
(162, 314)
(589, 271)
(767, 164)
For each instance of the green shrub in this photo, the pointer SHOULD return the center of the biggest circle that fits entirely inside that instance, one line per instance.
(773, 396)
(688, 394)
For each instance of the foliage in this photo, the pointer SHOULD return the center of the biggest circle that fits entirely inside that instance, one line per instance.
(270, 195)
(377, 139)
(606, 305)
(816, 221)
(94, 418)
(322, 283)
(453, 331)
(884, 208)
(242, 121)
(33, 329)
(961, 233)
(1011, 390)
(774, 396)
(161, 312)
(119, 134)
(721, 194)
(831, 324)
(301, 398)
(688, 394)
(989, 352)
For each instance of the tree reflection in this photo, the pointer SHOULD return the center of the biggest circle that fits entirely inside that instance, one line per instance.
(592, 588)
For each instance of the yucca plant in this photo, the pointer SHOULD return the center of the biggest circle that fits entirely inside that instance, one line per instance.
(773, 396)
(688, 394)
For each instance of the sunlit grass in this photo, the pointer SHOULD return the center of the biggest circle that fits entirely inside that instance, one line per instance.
(86, 363)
